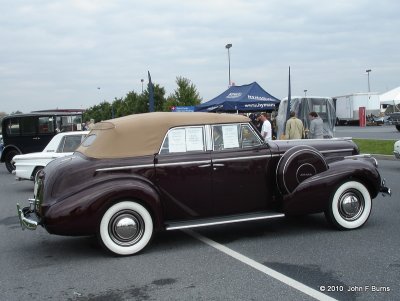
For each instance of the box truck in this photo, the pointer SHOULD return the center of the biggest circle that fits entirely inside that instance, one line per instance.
(347, 107)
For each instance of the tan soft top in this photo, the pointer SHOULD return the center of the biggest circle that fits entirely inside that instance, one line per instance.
(142, 134)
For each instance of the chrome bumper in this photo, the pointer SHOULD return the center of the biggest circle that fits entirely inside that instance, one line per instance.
(24, 216)
(385, 190)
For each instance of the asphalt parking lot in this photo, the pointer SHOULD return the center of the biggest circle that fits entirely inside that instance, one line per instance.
(388, 132)
(282, 259)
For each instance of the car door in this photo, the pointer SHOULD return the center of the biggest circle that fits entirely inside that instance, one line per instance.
(240, 181)
(183, 173)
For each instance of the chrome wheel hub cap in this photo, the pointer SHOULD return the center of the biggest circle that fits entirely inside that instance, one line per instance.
(351, 205)
(126, 228)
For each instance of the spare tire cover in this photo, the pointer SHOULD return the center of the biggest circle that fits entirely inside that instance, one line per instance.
(298, 164)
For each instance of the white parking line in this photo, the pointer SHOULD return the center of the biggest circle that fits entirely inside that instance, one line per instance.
(262, 268)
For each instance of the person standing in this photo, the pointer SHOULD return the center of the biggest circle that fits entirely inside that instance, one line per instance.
(316, 126)
(266, 129)
(294, 127)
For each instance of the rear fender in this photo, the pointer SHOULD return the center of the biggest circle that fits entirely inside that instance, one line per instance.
(314, 194)
(80, 213)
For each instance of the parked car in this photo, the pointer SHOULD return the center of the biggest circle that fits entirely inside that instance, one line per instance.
(1, 144)
(63, 144)
(396, 149)
(28, 133)
(165, 171)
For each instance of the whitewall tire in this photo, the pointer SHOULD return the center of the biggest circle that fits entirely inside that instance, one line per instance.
(350, 206)
(126, 228)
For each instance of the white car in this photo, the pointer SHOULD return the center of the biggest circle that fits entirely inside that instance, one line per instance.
(1, 143)
(396, 150)
(62, 144)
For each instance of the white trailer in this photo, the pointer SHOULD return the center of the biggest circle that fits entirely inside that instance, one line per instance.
(347, 106)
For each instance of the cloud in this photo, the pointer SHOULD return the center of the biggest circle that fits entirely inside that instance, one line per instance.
(56, 53)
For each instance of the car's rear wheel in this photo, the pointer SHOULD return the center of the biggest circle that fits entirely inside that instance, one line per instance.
(350, 206)
(126, 228)
(8, 160)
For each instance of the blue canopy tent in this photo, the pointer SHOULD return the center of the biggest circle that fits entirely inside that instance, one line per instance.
(246, 98)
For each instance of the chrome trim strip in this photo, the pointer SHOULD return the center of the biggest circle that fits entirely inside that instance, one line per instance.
(243, 158)
(156, 165)
(205, 165)
(337, 150)
(124, 167)
(183, 163)
(226, 222)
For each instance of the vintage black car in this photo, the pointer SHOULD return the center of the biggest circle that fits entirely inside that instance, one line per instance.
(28, 133)
(162, 171)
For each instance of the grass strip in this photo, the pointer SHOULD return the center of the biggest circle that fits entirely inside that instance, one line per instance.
(370, 146)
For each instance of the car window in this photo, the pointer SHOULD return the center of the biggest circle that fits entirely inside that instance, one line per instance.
(28, 125)
(249, 137)
(69, 144)
(88, 140)
(12, 127)
(233, 136)
(46, 125)
(182, 140)
(225, 136)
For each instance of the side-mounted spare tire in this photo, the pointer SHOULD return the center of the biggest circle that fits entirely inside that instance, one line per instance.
(298, 164)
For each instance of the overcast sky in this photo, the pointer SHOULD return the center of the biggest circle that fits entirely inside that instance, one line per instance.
(57, 53)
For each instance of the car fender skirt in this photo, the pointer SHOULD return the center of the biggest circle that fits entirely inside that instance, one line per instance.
(80, 214)
(314, 194)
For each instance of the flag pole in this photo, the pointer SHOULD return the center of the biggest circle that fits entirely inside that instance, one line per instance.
(289, 100)
(151, 94)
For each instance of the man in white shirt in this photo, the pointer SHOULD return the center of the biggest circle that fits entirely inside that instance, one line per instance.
(266, 129)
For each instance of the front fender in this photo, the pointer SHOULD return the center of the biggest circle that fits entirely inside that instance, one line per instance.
(314, 194)
(81, 213)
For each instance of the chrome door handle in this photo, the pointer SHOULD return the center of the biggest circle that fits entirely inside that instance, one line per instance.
(218, 165)
(205, 165)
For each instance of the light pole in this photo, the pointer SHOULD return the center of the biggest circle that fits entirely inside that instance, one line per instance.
(305, 93)
(142, 80)
(227, 46)
(369, 87)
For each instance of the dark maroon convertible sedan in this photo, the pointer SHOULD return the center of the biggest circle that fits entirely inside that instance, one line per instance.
(162, 171)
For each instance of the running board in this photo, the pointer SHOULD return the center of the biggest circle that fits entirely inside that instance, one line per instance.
(222, 220)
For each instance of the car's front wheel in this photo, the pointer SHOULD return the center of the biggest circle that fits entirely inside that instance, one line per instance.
(350, 206)
(126, 228)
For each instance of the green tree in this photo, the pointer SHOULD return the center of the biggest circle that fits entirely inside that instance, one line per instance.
(186, 94)
(142, 106)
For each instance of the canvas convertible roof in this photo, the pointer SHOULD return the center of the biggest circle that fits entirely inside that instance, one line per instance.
(246, 98)
(142, 134)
